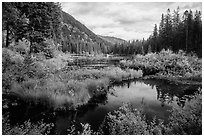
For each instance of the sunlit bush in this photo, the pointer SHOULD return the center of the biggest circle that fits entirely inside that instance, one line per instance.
(187, 120)
(126, 121)
(129, 121)
(10, 57)
(165, 63)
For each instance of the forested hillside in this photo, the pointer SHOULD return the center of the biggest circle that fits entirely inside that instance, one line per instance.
(77, 38)
(36, 22)
(112, 40)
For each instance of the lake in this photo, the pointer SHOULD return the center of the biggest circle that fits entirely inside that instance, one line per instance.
(156, 97)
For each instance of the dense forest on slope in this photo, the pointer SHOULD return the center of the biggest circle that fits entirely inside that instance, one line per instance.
(112, 40)
(176, 32)
(36, 22)
(78, 38)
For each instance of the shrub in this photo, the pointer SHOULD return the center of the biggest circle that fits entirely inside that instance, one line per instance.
(165, 63)
(27, 128)
(127, 121)
(47, 47)
(187, 120)
(9, 58)
(97, 87)
(86, 130)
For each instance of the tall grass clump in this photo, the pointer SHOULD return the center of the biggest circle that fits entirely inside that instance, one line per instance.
(116, 74)
(52, 92)
(97, 87)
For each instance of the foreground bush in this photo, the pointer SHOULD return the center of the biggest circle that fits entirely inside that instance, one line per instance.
(129, 121)
(187, 120)
(27, 128)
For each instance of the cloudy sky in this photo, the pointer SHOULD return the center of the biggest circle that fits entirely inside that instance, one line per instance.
(132, 20)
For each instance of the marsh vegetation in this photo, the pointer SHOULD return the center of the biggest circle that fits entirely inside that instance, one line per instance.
(61, 78)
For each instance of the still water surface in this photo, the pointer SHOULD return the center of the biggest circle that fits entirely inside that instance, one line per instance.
(155, 97)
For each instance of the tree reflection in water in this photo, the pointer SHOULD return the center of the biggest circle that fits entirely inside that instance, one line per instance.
(147, 93)
(167, 93)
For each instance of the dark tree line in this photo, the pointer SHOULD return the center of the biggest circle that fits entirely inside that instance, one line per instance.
(128, 48)
(179, 32)
(175, 32)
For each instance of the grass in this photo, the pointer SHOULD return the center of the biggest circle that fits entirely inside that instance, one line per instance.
(73, 88)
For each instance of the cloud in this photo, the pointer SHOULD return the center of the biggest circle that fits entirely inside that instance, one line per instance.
(83, 8)
(127, 20)
(192, 6)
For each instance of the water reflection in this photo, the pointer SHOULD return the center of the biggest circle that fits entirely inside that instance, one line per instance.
(155, 96)
(168, 93)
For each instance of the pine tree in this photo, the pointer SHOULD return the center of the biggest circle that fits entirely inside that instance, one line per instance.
(40, 24)
(176, 21)
(197, 31)
(161, 33)
(10, 19)
(168, 30)
(154, 38)
(56, 21)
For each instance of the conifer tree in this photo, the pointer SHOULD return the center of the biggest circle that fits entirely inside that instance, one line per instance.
(10, 20)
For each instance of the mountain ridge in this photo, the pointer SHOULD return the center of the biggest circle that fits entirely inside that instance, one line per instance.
(113, 40)
(77, 35)
(76, 25)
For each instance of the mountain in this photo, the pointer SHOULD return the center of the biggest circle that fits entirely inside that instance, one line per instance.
(74, 34)
(112, 40)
